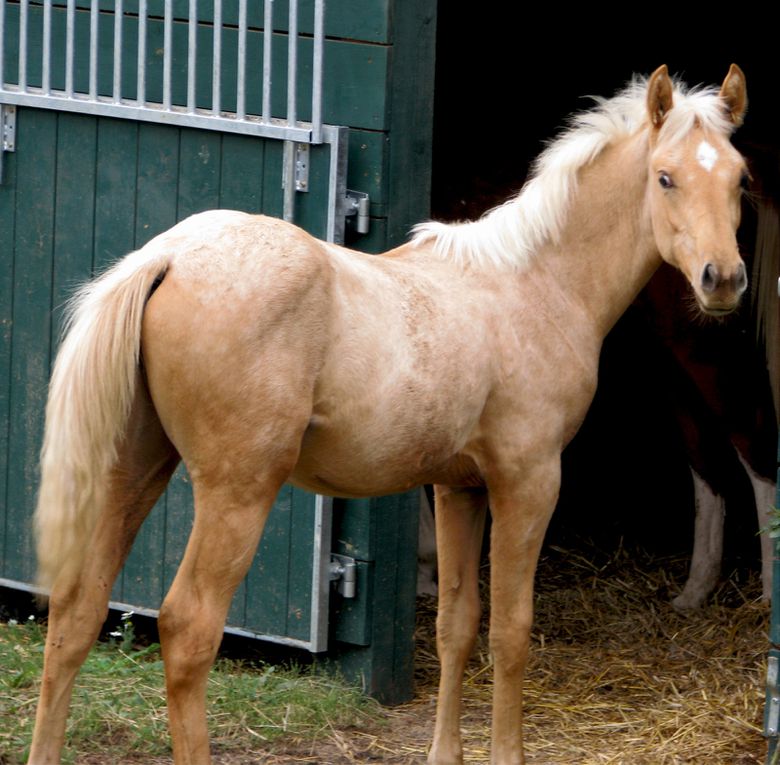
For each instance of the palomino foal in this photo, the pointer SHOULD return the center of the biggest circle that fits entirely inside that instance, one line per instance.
(466, 358)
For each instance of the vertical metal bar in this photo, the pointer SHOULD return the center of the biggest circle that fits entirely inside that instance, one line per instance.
(140, 95)
(70, 29)
(216, 93)
(317, 68)
(192, 53)
(23, 8)
(2, 44)
(292, 65)
(117, 89)
(241, 79)
(772, 700)
(338, 140)
(320, 581)
(93, 49)
(288, 211)
(167, 53)
(288, 182)
(268, 35)
(46, 53)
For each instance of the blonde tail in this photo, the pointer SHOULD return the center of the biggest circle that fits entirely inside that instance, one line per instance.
(90, 395)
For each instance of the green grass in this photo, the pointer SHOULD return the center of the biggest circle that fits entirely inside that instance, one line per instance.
(119, 705)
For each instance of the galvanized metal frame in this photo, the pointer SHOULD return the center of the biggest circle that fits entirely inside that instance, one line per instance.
(288, 129)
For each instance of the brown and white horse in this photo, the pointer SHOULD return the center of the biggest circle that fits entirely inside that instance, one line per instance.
(466, 358)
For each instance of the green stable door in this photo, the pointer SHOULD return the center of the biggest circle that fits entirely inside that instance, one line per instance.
(90, 172)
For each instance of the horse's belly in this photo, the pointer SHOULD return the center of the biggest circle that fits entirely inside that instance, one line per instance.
(369, 461)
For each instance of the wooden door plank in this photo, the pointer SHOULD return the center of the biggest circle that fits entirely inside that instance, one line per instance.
(199, 171)
(74, 211)
(35, 184)
(7, 254)
(115, 198)
(156, 210)
(243, 168)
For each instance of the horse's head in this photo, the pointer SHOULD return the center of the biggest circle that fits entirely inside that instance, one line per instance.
(696, 179)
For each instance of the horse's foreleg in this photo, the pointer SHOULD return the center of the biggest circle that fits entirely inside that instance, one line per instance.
(79, 603)
(520, 513)
(460, 522)
(765, 494)
(227, 529)
(707, 546)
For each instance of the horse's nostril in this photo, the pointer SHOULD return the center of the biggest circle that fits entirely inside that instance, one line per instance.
(741, 278)
(710, 278)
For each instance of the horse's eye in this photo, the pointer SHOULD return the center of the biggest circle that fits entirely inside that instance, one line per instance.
(665, 181)
(744, 180)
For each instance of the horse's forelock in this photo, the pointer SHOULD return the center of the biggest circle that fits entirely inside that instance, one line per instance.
(698, 106)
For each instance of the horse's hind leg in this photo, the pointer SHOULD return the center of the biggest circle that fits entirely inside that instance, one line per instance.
(764, 494)
(460, 523)
(78, 604)
(229, 517)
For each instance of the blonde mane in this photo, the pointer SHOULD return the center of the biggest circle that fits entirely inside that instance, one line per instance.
(509, 235)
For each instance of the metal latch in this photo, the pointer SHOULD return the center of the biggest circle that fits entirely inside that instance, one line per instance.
(357, 204)
(7, 132)
(296, 162)
(343, 570)
(301, 166)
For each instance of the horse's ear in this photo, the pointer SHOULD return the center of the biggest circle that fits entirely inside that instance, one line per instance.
(734, 95)
(659, 95)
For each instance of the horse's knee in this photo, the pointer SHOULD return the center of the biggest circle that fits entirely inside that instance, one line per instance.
(508, 642)
(456, 635)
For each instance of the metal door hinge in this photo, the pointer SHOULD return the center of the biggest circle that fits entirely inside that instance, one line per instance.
(7, 132)
(343, 570)
(357, 205)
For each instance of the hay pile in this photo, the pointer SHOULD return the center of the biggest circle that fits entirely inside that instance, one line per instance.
(616, 675)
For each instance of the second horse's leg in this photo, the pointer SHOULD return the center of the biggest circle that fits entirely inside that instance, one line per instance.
(460, 523)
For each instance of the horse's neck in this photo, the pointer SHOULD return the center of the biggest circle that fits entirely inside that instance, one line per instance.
(606, 252)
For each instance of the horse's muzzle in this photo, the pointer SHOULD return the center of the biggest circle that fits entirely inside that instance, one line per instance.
(719, 291)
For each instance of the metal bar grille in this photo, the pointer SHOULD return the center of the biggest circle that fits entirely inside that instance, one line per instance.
(128, 94)
(123, 98)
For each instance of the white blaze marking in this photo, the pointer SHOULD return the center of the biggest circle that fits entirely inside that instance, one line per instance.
(707, 156)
